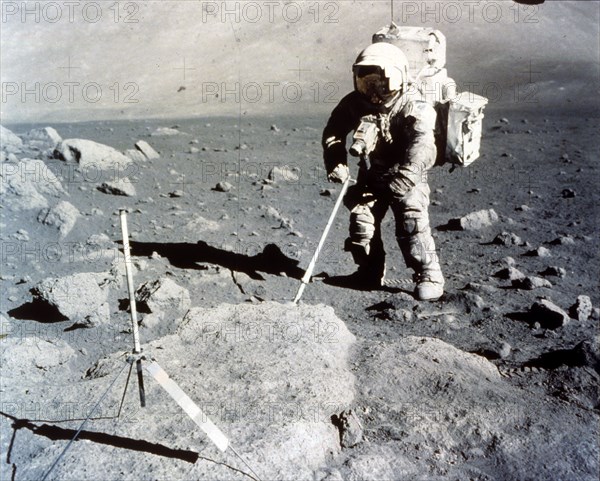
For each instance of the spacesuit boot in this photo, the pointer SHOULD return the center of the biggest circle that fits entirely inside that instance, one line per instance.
(430, 283)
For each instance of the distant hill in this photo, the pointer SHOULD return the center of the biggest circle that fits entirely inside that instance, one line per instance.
(132, 61)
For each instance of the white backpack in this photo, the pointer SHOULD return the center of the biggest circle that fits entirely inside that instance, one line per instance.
(459, 116)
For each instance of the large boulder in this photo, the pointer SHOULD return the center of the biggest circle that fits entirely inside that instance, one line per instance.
(9, 141)
(78, 297)
(452, 412)
(269, 375)
(27, 183)
(30, 358)
(91, 155)
(44, 138)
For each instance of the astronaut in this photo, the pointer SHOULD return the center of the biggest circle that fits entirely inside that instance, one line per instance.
(394, 175)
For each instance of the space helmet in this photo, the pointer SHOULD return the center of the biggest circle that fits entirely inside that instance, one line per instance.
(380, 72)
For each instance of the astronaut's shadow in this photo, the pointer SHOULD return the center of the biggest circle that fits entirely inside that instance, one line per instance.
(186, 255)
(354, 282)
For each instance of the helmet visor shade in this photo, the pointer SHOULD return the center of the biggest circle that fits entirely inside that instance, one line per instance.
(371, 82)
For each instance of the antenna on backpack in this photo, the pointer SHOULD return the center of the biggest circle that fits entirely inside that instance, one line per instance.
(392, 24)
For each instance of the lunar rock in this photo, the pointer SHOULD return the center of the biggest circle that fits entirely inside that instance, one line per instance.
(507, 239)
(63, 216)
(91, 155)
(165, 131)
(563, 240)
(284, 173)
(153, 320)
(263, 373)
(582, 309)
(101, 316)
(146, 149)
(26, 184)
(98, 240)
(10, 142)
(588, 353)
(135, 155)
(199, 223)
(162, 295)
(468, 300)
(350, 427)
(223, 187)
(22, 235)
(530, 283)
(76, 296)
(554, 271)
(43, 138)
(31, 358)
(509, 273)
(548, 314)
(539, 252)
(122, 186)
(505, 350)
(271, 213)
(475, 220)
(510, 261)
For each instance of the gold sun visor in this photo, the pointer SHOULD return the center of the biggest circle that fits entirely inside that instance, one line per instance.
(372, 82)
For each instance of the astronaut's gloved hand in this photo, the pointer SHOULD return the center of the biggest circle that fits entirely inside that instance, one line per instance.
(401, 185)
(339, 174)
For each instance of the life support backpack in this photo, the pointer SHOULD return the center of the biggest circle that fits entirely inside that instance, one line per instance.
(459, 115)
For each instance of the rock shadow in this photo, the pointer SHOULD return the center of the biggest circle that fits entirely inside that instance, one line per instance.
(525, 317)
(451, 225)
(188, 256)
(37, 310)
(582, 355)
(489, 354)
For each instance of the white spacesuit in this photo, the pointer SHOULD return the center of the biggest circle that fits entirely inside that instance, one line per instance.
(394, 175)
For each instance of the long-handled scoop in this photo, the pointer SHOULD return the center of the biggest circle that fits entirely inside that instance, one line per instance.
(313, 261)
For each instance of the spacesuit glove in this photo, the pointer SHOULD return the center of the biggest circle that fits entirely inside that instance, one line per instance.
(339, 174)
(401, 185)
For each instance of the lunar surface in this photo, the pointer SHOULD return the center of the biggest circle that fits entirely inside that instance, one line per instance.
(225, 204)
